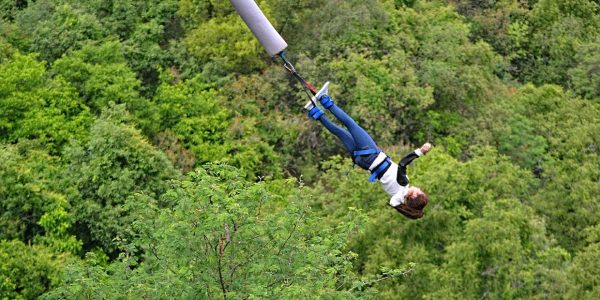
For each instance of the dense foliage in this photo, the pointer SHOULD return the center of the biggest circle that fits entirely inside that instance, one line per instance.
(152, 149)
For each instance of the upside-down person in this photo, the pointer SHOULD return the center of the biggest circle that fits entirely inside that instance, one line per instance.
(409, 201)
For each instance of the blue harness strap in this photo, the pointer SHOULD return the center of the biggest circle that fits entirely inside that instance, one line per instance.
(380, 169)
(326, 101)
(315, 113)
(365, 152)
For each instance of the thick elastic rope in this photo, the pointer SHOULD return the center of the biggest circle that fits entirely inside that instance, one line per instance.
(260, 26)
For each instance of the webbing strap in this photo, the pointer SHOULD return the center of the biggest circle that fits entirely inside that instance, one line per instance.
(379, 169)
(315, 113)
(326, 101)
(365, 152)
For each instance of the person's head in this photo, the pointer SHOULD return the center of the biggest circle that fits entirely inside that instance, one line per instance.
(414, 202)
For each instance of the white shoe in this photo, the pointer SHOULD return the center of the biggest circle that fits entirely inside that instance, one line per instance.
(323, 91)
(309, 105)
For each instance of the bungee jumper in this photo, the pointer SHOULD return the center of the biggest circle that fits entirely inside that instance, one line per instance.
(407, 200)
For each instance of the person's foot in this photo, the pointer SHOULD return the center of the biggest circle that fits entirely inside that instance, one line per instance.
(309, 105)
(323, 91)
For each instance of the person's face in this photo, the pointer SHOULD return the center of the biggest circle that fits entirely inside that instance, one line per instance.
(413, 192)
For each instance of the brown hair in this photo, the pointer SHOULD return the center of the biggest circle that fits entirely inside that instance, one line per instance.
(413, 207)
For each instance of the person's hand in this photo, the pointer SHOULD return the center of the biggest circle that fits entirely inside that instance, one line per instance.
(425, 148)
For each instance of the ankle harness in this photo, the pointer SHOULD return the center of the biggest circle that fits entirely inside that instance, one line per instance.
(315, 113)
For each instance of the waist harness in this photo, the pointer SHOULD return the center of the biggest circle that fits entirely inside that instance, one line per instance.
(377, 170)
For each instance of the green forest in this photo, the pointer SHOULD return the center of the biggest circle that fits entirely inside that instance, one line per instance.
(154, 150)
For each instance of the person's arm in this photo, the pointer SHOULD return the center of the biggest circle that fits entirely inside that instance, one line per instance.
(405, 161)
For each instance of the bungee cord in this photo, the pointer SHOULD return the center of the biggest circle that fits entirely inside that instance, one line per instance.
(308, 89)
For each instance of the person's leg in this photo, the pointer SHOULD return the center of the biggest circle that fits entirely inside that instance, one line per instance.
(340, 132)
(362, 139)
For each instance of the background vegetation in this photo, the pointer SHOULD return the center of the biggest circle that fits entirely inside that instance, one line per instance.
(152, 149)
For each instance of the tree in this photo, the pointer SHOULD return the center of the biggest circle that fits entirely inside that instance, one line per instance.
(505, 252)
(223, 45)
(6, 49)
(33, 106)
(194, 12)
(8, 8)
(430, 63)
(33, 208)
(115, 163)
(101, 76)
(552, 133)
(481, 215)
(585, 76)
(491, 20)
(545, 43)
(145, 29)
(26, 272)
(384, 95)
(226, 237)
(181, 157)
(196, 114)
(584, 270)
(507, 91)
(56, 28)
(21, 69)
